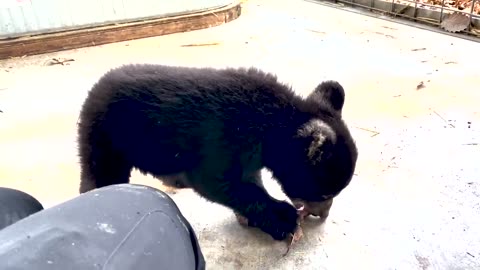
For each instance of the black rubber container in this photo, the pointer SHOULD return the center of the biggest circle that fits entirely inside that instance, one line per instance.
(115, 227)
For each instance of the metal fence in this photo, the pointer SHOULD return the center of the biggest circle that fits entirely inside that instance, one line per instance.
(456, 16)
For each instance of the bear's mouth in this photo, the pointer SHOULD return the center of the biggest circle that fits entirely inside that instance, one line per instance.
(318, 209)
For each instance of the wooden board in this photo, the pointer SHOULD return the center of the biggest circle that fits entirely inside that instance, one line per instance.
(45, 43)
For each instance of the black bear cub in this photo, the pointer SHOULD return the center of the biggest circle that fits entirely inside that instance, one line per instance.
(213, 130)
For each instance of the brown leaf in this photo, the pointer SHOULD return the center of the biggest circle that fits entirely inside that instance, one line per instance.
(456, 22)
(297, 235)
(420, 86)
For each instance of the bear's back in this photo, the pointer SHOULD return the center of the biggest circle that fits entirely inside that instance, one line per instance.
(184, 93)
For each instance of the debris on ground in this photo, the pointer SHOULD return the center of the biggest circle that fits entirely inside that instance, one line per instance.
(296, 236)
(420, 85)
(59, 61)
(304, 210)
(444, 120)
(200, 44)
(374, 133)
(315, 31)
(455, 22)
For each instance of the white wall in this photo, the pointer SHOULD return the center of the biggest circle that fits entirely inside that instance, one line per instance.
(20, 17)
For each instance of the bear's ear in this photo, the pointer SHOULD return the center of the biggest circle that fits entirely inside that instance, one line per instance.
(330, 94)
(320, 139)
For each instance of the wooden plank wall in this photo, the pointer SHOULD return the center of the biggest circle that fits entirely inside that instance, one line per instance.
(44, 43)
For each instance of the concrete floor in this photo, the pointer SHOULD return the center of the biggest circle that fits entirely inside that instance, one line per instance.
(416, 195)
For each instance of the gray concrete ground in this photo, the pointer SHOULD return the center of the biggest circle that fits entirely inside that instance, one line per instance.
(415, 199)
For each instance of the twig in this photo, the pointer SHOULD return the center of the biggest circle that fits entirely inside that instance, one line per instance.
(470, 144)
(385, 35)
(374, 133)
(468, 253)
(296, 236)
(59, 61)
(200, 44)
(324, 251)
(288, 247)
(444, 120)
(391, 28)
(315, 31)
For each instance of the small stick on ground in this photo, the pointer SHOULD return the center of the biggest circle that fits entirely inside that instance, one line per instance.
(298, 234)
(315, 31)
(444, 120)
(59, 61)
(200, 44)
(295, 238)
(375, 133)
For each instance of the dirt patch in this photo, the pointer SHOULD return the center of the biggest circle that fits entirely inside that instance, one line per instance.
(423, 262)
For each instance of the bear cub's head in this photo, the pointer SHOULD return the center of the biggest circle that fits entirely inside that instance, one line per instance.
(328, 152)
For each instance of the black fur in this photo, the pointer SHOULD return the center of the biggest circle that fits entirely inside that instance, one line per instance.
(214, 130)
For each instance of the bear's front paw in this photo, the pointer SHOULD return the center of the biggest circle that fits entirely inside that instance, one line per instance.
(279, 220)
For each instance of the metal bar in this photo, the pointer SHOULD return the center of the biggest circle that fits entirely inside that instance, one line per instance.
(441, 11)
(426, 25)
(415, 10)
(434, 21)
(471, 16)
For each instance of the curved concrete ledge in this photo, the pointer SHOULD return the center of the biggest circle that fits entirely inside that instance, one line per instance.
(67, 40)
